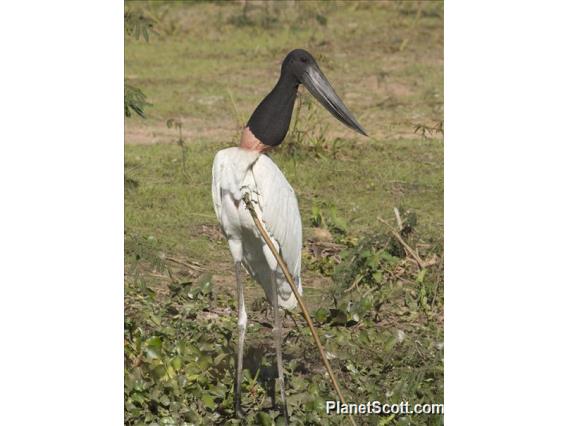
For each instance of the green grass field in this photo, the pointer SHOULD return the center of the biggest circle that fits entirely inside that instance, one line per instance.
(380, 316)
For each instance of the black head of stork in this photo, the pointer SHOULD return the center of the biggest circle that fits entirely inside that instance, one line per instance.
(270, 121)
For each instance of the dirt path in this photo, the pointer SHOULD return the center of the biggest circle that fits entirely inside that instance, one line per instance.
(138, 131)
(149, 132)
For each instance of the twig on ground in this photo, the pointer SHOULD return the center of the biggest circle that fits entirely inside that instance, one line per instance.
(355, 283)
(152, 274)
(407, 248)
(194, 266)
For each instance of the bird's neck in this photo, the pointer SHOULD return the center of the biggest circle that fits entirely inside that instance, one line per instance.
(270, 120)
(250, 142)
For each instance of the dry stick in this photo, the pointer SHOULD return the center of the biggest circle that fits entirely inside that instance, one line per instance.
(398, 220)
(355, 283)
(187, 265)
(284, 268)
(412, 253)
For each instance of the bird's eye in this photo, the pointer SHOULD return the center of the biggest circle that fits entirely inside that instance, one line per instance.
(304, 59)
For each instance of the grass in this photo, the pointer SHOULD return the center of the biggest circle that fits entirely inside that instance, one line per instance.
(194, 73)
(208, 68)
(368, 179)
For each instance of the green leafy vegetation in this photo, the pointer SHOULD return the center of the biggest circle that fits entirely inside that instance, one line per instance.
(136, 24)
(134, 100)
(384, 333)
(378, 311)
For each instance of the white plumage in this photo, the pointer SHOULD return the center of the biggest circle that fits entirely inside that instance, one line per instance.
(235, 172)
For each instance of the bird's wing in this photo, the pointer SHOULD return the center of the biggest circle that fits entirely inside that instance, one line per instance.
(225, 179)
(217, 173)
(279, 212)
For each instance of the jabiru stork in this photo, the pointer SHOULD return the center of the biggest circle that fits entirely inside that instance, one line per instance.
(247, 169)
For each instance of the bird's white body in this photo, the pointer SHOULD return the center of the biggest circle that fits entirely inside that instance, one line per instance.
(237, 171)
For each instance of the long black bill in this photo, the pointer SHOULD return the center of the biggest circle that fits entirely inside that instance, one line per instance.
(321, 89)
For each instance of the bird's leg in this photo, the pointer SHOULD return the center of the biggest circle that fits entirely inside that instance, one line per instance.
(242, 325)
(277, 330)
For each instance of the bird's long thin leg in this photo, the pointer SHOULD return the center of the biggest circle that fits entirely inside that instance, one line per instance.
(277, 330)
(242, 325)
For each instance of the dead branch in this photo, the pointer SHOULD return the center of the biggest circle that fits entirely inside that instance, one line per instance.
(407, 248)
(355, 283)
(194, 266)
